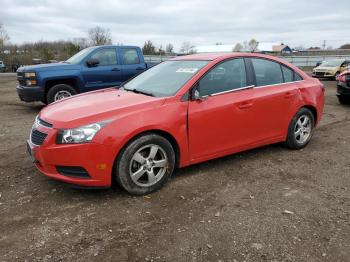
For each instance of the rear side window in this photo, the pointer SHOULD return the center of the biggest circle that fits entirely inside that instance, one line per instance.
(298, 77)
(130, 56)
(226, 76)
(267, 72)
(288, 74)
(106, 56)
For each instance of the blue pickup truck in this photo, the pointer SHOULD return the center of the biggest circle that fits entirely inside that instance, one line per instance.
(92, 68)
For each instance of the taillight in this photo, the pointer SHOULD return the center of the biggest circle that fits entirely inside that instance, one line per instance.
(342, 78)
(323, 88)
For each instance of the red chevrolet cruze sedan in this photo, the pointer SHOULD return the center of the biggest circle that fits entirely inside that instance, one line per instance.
(181, 112)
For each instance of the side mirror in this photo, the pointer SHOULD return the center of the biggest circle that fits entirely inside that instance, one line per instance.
(195, 95)
(92, 62)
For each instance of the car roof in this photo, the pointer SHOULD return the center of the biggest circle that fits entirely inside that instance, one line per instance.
(221, 56)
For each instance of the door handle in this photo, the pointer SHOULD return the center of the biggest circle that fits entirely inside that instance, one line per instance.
(245, 105)
(288, 95)
(115, 69)
(139, 68)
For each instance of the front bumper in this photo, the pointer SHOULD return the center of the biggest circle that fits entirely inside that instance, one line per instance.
(323, 74)
(96, 159)
(343, 89)
(31, 93)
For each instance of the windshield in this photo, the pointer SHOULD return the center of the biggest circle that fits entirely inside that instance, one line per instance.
(332, 63)
(166, 78)
(78, 57)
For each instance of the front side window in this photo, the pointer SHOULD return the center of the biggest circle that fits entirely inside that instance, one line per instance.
(130, 56)
(106, 56)
(267, 72)
(166, 78)
(226, 76)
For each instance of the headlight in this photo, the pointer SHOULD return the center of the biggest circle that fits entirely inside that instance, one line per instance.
(81, 134)
(29, 74)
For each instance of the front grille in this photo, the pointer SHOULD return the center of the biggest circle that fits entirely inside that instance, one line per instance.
(37, 137)
(21, 79)
(44, 123)
(320, 73)
(73, 171)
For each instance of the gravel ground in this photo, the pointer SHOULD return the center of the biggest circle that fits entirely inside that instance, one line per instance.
(267, 204)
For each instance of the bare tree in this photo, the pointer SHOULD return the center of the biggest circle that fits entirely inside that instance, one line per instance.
(4, 37)
(187, 48)
(245, 46)
(82, 42)
(99, 36)
(238, 47)
(149, 48)
(253, 45)
(169, 49)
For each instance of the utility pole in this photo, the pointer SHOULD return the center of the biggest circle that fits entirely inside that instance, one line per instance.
(324, 44)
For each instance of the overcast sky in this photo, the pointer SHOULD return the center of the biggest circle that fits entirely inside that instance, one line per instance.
(202, 22)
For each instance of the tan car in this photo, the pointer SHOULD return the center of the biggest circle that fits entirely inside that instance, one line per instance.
(330, 68)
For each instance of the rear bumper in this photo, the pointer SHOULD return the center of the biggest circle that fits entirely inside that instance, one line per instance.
(31, 93)
(343, 89)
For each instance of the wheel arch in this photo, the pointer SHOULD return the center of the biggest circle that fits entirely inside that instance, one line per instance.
(172, 140)
(313, 110)
(68, 81)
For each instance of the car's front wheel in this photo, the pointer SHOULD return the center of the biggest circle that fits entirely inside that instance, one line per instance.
(59, 92)
(300, 129)
(145, 165)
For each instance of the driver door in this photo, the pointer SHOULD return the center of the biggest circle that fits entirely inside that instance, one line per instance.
(221, 120)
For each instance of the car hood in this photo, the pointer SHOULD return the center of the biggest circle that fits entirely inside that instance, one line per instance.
(48, 67)
(96, 106)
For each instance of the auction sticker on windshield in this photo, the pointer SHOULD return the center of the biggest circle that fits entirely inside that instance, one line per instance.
(187, 70)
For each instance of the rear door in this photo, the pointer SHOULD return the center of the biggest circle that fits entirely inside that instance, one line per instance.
(107, 73)
(132, 62)
(223, 118)
(275, 98)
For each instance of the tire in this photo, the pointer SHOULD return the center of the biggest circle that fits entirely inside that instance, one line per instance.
(300, 132)
(343, 100)
(138, 158)
(59, 92)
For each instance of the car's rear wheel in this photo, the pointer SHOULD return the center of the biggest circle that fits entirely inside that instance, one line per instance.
(59, 92)
(343, 100)
(145, 165)
(300, 129)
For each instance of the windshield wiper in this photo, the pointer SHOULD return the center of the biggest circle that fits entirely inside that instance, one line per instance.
(138, 91)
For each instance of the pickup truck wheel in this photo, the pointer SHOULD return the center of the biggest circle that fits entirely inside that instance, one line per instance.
(59, 92)
(145, 165)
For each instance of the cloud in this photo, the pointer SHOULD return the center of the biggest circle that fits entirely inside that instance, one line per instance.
(200, 22)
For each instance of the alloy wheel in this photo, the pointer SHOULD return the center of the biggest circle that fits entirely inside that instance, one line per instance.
(62, 94)
(148, 165)
(303, 129)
